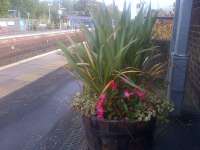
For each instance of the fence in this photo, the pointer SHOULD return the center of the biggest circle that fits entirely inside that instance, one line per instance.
(162, 33)
(163, 28)
(11, 25)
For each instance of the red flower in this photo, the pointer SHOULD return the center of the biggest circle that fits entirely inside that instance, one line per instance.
(113, 85)
(100, 106)
(127, 93)
(141, 94)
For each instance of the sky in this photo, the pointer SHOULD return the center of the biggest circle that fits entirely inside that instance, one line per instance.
(156, 4)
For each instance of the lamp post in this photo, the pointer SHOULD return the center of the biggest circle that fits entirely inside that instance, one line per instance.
(60, 12)
(49, 18)
(28, 15)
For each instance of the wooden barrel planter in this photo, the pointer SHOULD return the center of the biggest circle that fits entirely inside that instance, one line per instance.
(118, 135)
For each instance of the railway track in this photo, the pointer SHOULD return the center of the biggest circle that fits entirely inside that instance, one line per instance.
(19, 47)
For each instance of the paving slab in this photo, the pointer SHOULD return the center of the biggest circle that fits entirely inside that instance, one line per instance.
(22, 74)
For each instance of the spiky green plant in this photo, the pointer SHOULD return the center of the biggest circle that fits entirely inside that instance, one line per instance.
(117, 46)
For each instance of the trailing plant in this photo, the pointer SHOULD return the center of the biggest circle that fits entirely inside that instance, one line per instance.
(123, 100)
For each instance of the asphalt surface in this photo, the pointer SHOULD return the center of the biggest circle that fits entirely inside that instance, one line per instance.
(182, 133)
(38, 114)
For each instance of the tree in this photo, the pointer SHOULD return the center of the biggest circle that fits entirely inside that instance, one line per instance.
(84, 6)
(42, 10)
(23, 7)
(4, 6)
(68, 5)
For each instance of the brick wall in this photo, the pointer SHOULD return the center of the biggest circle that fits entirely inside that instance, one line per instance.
(193, 75)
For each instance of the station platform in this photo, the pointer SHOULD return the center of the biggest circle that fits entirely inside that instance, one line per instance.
(35, 103)
(19, 74)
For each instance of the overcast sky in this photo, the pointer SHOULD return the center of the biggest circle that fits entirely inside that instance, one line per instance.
(155, 3)
(165, 4)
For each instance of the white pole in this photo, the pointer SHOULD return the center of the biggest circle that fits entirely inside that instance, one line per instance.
(28, 14)
(60, 15)
(49, 19)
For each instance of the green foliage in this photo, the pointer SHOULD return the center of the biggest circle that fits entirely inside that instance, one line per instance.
(38, 9)
(83, 6)
(162, 107)
(85, 103)
(142, 106)
(119, 48)
(42, 10)
(113, 48)
(25, 6)
(68, 5)
(126, 101)
(4, 6)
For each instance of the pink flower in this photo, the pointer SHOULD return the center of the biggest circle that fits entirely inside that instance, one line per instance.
(127, 93)
(102, 97)
(141, 94)
(113, 85)
(100, 106)
(100, 113)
